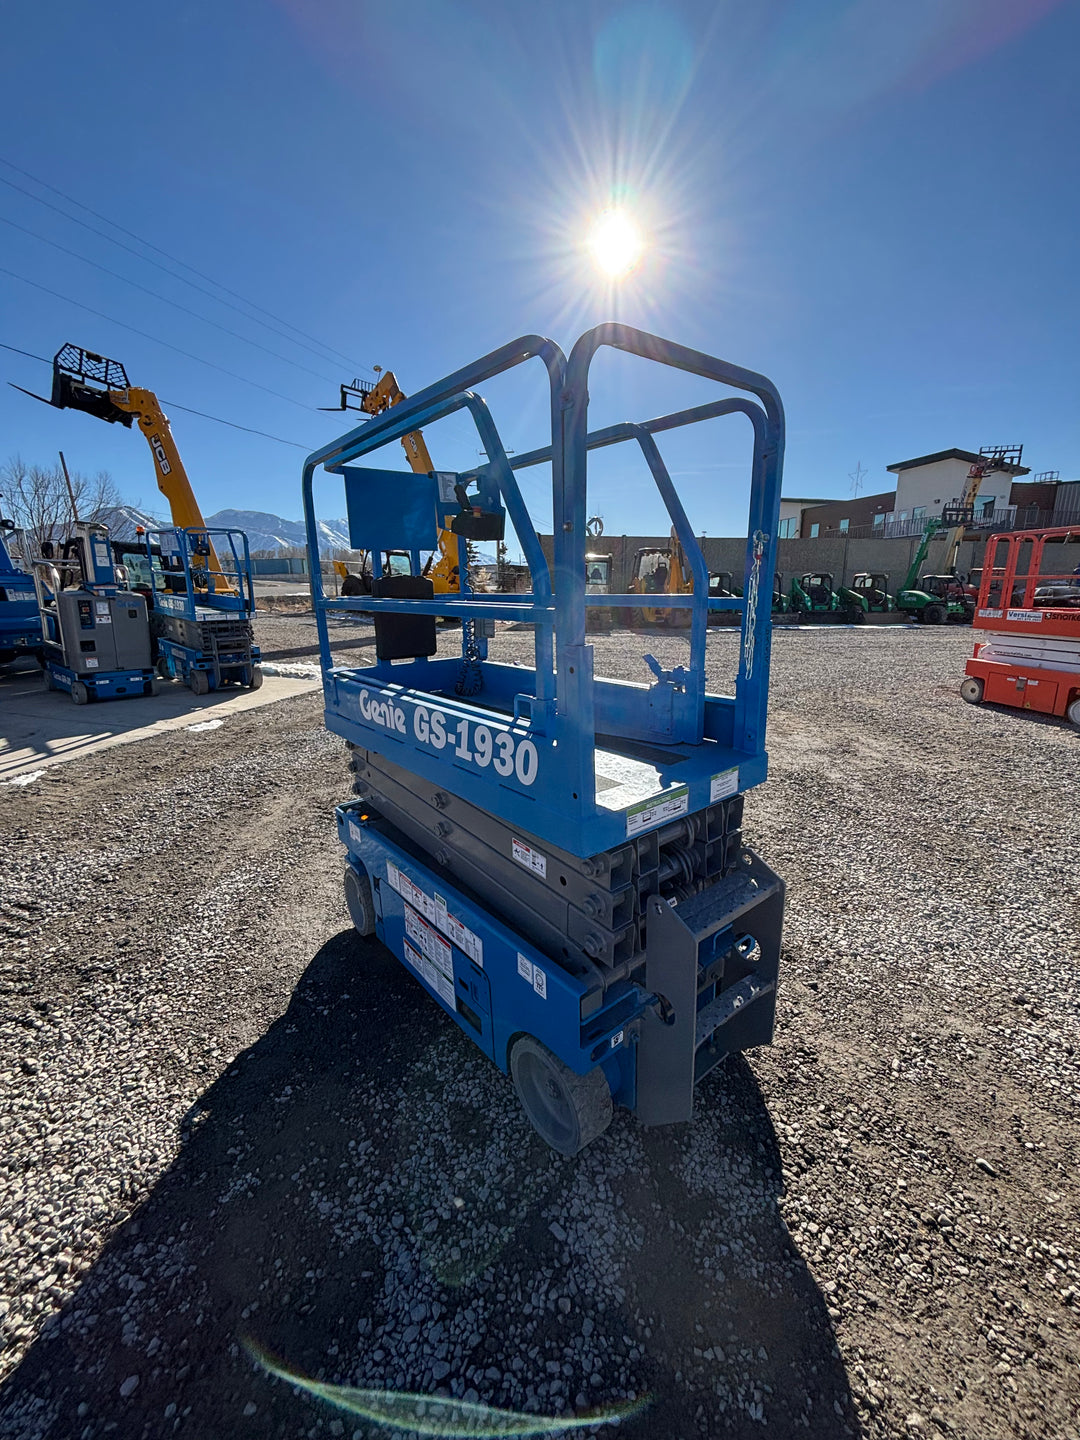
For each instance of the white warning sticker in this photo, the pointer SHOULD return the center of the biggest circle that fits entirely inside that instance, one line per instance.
(531, 859)
(540, 982)
(430, 941)
(445, 988)
(412, 956)
(525, 968)
(433, 908)
(649, 813)
(726, 783)
(356, 835)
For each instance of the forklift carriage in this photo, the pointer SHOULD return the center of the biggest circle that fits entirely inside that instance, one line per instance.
(558, 858)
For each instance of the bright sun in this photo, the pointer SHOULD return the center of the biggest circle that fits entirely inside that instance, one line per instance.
(616, 243)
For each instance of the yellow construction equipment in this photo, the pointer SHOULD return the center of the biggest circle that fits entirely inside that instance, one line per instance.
(662, 570)
(98, 386)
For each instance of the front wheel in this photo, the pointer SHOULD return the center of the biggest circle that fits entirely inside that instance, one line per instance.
(1072, 712)
(933, 615)
(971, 690)
(256, 678)
(79, 692)
(358, 899)
(199, 682)
(856, 615)
(567, 1111)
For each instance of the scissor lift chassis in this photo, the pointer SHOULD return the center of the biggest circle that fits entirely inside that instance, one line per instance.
(701, 987)
(557, 858)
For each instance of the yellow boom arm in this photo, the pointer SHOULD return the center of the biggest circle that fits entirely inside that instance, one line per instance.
(172, 478)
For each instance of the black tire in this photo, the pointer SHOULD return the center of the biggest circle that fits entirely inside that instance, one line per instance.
(198, 682)
(358, 899)
(79, 692)
(856, 615)
(163, 668)
(256, 678)
(1072, 712)
(567, 1111)
(971, 690)
(933, 615)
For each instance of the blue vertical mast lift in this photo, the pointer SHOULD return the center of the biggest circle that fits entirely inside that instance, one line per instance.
(558, 858)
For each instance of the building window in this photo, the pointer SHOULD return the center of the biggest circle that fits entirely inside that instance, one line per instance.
(815, 531)
(788, 529)
(918, 512)
(988, 503)
(879, 520)
(843, 527)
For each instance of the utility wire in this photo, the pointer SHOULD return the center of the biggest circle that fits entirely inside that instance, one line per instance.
(165, 299)
(157, 264)
(146, 336)
(175, 405)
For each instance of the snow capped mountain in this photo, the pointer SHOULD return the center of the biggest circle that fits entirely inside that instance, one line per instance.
(122, 520)
(271, 532)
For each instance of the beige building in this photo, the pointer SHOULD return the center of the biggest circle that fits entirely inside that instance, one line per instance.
(925, 485)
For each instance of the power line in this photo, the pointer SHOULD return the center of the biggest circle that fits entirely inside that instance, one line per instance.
(146, 336)
(164, 268)
(165, 299)
(175, 405)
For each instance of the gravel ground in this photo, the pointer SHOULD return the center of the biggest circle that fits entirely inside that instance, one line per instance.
(226, 1119)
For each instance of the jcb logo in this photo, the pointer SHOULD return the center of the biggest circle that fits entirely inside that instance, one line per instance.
(159, 452)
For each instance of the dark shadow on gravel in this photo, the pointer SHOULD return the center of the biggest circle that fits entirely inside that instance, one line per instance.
(314, 1207)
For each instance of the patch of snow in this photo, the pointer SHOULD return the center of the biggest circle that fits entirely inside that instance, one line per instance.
(27, 779)
(292, 671)
(205, 725)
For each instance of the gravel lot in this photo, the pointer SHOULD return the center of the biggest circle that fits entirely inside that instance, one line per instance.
(225, 1118)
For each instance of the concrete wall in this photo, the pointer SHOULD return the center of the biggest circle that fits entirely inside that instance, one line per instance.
(840, 557)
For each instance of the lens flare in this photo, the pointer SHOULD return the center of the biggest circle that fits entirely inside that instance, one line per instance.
(616, 244)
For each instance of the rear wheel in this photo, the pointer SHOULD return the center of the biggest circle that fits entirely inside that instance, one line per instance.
(1072, 712)
(933, 615)
(971, 690)
(856, 615)
(567, 1111)
(199, 682)
(358, 899)
(163, 668)
(256, 678)
(79, 692)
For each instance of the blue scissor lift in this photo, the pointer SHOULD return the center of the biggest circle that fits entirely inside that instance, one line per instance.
(202, 603)
(20, 621)
(557, 857)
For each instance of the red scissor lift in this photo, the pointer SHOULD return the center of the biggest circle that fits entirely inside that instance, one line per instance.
(1029, 607)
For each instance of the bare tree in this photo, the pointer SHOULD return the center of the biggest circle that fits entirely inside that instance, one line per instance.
(36, 498)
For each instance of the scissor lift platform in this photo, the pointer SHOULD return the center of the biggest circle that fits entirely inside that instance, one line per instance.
(557, 857)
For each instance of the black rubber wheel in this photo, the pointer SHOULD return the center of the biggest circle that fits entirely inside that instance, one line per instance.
(1072, 712)
(256, 678)
(856, 615)
(163, 668)
(79, 692)
(198, 682)
(933, 615)
(971, 690)
(358, 899)
(567, 1111)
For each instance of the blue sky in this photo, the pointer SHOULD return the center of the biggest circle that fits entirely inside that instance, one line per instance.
(874, 204)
